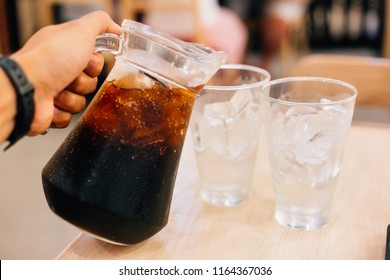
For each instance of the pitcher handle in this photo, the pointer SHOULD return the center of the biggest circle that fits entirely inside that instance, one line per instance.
(109, 42)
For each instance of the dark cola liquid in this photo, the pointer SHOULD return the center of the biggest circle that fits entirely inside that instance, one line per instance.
(114, 175)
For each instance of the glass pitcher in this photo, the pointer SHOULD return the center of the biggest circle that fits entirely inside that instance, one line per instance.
(114, 174)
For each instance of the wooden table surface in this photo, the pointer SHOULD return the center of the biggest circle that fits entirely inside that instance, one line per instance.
(361, 213)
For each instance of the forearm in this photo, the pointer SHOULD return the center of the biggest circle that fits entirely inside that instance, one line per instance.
(7, 106)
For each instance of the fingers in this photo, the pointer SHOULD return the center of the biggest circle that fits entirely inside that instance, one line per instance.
(69, 101)
(61, 118)
(101, 23)
(83, 84)
(86, 82)
(43, 116)
(95, 65)
(66, 103)
(72, 100)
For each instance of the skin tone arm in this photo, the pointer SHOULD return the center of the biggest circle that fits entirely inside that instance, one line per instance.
(60, 62)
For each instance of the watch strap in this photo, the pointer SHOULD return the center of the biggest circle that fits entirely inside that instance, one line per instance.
(25, 99)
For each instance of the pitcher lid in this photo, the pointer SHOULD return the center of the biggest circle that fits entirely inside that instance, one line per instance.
(188, 64)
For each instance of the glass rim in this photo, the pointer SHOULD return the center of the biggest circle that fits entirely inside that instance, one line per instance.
(309, 79)
(238, 66)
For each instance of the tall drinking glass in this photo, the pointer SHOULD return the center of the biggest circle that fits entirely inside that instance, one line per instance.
(225, 125)
(307, 120)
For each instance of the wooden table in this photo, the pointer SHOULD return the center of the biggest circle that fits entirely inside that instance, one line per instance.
(197, 231)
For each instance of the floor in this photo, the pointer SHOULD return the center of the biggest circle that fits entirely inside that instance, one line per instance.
(29, 230)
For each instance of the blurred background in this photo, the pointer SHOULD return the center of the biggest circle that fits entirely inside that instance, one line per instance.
(274, 34)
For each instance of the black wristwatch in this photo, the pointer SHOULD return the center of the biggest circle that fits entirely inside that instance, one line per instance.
(25, 99)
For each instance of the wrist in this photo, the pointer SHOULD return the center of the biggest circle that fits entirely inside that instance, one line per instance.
(24, 92)
(32, 70)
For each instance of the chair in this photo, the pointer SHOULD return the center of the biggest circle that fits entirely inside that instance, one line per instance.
(370, 75)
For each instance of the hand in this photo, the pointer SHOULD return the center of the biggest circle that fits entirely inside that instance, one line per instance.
(59, 60)
(71, 100)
